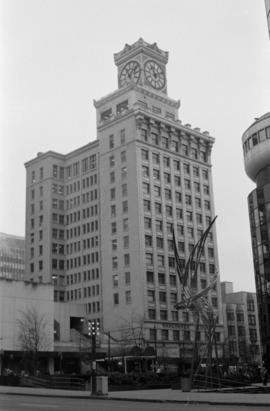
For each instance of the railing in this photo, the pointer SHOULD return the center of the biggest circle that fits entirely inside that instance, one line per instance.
(55, 382)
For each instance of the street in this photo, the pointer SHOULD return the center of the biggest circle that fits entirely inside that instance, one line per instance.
(23, 402)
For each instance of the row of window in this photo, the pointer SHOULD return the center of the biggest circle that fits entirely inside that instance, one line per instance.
(115, 279)
(256, 138)
(176, 335)
(174, 163)
(174, 144)
(87, 259)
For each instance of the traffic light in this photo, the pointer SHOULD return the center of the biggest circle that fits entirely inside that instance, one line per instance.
(93, 327)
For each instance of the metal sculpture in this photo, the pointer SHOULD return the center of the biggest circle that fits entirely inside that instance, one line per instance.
(197, 302)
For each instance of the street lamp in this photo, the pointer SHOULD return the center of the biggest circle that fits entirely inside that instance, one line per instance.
(93, 331)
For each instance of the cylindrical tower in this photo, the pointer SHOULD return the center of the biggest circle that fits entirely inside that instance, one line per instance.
(256, 147)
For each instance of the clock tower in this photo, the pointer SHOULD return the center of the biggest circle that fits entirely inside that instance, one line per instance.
(143, 64)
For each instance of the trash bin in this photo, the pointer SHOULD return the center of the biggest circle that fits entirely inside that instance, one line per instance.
(185, 384)
(102, 385)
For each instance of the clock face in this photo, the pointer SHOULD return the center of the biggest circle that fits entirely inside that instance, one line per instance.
(154, 74)
(130, 72)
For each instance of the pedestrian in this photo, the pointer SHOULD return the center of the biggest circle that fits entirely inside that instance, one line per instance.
(264, 375)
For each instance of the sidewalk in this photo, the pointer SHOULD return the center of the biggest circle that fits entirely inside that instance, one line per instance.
(162, 395)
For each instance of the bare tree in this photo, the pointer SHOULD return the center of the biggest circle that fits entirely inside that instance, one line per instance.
(33, 333)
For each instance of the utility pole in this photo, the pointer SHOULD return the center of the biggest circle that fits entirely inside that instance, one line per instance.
(109, 351)
(93, 330)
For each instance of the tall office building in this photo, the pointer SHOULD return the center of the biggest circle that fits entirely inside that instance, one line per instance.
(256, 147)
(100, 219)
(267, 7)
(12, 261)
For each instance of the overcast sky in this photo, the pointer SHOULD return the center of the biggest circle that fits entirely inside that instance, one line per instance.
(56, 56)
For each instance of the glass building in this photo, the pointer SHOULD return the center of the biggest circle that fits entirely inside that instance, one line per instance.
(256, 146)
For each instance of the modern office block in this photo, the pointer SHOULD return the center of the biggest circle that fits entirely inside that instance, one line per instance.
(256, 147)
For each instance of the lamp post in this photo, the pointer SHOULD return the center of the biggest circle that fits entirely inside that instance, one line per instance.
(93, 331)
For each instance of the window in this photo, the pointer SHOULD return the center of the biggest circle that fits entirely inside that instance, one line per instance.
(55, 170)
(177, 181)
(114, 244)
(113, 211)
(173, 280)
(151, 296)
(151, 314)
(147, 223)
(171, 262)
(178, 197)
(149, 258)
(168, 194)
(126, 241)
(145, 155)
(186, 168)
(115, 280)
(161, 279)
(164, 334)
(146, 188)
(169, 228)
(124, 190)
(160, 260)
(188, 200)
(126, 260)
(159, 242)
(205, 174)
(154, 138)
(189, 216)
(145, 171)
(122, 136)
(163, 315)
(155, 158)
(156, 174)
(111, 141)
(125, 224)
(124, 173)
(180, 230)
(114, 263)
(113, 227)
(206, 189)
(185, 149)
(162, 297)
(146, 205)
(165, 142)
(116, 298)
(128, 297)
(176, 165)
(196, 171)
(166, 161)
(150, 277)
(173, 298)
(127, 278)
(167, 178)
(125, 206)
(199, 218)
(148, 241)
(41, 173)
(159, 226)
(157, 191)
(157, 208)
(187, 184)
(123, 156)
(111, 161)
(207, 204)
(176, 334)
(112, 193)
(112, 177)
(169, 211)
(198, 203)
